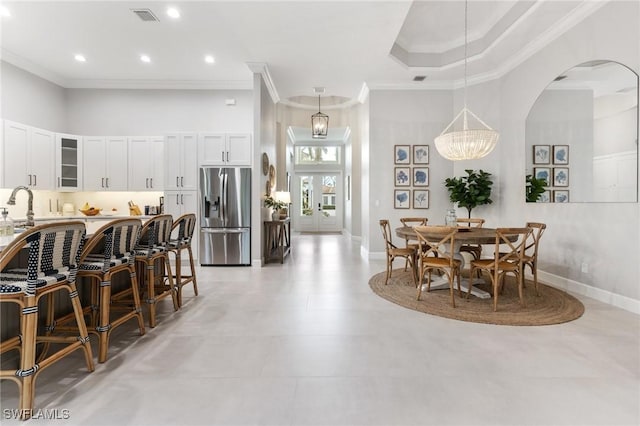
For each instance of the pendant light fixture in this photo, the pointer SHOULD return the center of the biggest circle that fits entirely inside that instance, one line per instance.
(466, 144)
(319, 124)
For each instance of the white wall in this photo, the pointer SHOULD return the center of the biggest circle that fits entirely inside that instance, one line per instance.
(265, 141)
(32, 100)
(156, 112)
(602, 235)
(403, 117)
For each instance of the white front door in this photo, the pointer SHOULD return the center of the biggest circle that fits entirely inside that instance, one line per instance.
(317, 202)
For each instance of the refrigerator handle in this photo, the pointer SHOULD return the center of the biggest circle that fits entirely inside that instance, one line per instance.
(207, 206)
(223, 204)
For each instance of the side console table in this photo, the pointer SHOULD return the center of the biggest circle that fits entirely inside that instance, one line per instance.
(277, 240)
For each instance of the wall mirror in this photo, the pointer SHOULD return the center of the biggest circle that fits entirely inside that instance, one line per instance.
(582, 135)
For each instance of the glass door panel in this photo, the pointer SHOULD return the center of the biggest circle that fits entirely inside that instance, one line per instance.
(317, 203)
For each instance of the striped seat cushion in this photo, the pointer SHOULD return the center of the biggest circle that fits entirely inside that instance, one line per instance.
(15, 280)
(95, 262)
(174, 244)
(150, 252)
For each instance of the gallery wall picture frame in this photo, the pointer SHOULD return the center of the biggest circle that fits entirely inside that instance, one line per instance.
(401, 198)
(420, 176)
(402, 154)
(542, 154)
(420, 154)
(545, 197)
(561, 196)
(560, 176)
(543, 173)
(420, 198)
(402, 176)
(561, 154)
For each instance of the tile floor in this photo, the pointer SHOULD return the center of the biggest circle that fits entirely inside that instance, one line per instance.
(307, 343)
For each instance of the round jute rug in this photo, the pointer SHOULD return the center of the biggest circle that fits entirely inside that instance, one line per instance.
(553, 306)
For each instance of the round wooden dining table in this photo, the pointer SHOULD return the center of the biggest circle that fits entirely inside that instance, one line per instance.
(464, 236)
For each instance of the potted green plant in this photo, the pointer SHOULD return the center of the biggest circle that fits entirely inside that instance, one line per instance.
(534, 188)
(274, 204)
(471, 190)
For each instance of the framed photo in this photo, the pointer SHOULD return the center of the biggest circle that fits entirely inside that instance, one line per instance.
(420, 154)
(402, 176)
(561, 196)
(541, 154)
(401, 198)
(402, 154)
(561, 154)
(543, 173)
(420, 198)
(420, 176)
(545, 197)
(560, 176)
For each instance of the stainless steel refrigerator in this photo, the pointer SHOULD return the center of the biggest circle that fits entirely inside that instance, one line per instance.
(225, 216)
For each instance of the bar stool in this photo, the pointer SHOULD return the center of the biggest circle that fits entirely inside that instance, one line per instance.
(181, 235)
(152, 251)
(53, 255)
(109, 252)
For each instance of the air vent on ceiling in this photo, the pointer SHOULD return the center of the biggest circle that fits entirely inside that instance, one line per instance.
(560, 77)
(145, 15)
(419, 77)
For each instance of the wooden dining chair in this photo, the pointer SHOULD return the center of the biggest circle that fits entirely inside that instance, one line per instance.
(531, 250)
(411, 222)
(472, 222)
(181, 236)
(509, 260)
(436, 253)
(393, 252)
(153, 266)
(53, 252)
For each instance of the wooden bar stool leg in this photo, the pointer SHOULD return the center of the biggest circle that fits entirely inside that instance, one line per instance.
(82, 327)
(179, 276)
(151, 294)
(28, 365)
(172, 286)
(193, 270)
(103, 323)
(136, 298)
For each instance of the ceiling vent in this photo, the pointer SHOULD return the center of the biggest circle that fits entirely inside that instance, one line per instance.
(145, 15)
(419, 77)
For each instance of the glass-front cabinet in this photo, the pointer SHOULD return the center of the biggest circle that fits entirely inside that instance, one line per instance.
(68, 162)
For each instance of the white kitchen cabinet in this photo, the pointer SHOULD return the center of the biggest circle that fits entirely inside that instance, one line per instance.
(28, 156)
(146, 163)
(68, 162)
(224, 149)
(180, 162)
(105, 163)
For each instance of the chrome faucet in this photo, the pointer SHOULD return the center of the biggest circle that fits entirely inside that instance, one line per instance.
(12, 202)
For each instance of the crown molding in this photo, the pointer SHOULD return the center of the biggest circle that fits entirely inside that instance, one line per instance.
(26, 65)
(162, 84)
(263, 69)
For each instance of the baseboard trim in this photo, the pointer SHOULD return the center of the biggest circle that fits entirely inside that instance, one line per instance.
(617, 300)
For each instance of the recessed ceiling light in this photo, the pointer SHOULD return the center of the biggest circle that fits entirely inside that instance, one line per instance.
(4, 12)
(80, 58)
(209, 59)
(144, 58)
(173, 13)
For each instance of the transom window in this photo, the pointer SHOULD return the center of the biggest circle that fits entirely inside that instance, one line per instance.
(317, 155)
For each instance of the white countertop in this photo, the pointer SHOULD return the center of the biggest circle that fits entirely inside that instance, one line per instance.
(91, 225)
